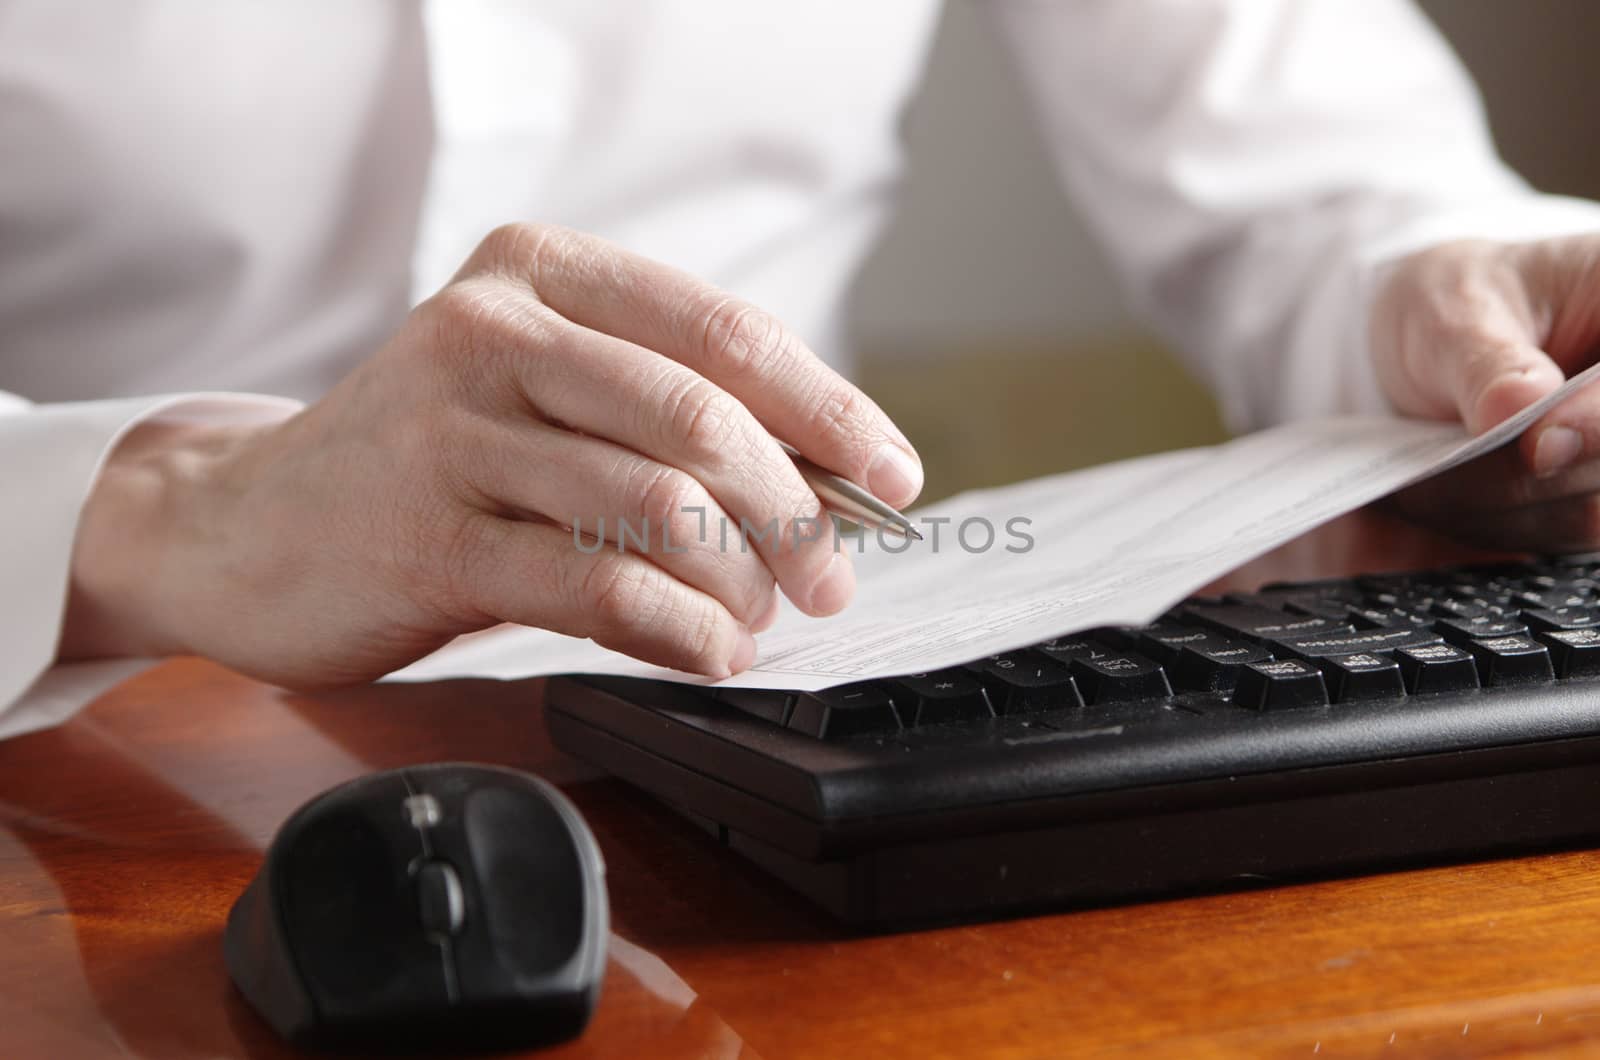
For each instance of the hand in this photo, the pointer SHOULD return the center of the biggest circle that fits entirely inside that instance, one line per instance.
(555, 380)
(1476, 331)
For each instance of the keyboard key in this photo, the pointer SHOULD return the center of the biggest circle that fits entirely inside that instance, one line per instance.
(1436, 668)
(1257, 623)
(1573, 653)
(845, 711)
(1163, 643)
(940, 696)
(1462, 631)
(765, 703)
(1367, 640)
(1213, 666)
(1281, 684)
(1549, 598)
(1554, 618)
(1120, 636)
(1457, 607)
(1322, 587)
(1317, 606)
(1065, 649)
(1570, 560)
(1511, 660)
(1117, 677)
(1361, 676)
(1020, 682)
(1385, 618)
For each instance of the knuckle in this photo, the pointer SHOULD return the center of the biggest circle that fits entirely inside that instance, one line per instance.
(705, 421)
(739, 339)
(663, 493)
(613, 595)
(467, 308)
(478, 320)
(527, 250)
(839, 414)
(462, 306)
(511, 245)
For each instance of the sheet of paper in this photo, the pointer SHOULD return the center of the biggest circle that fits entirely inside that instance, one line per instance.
(1112, 545)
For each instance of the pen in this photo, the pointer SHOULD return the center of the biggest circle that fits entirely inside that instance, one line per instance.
(849, 501)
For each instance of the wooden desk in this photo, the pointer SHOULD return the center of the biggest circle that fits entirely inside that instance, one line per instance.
(126, 834)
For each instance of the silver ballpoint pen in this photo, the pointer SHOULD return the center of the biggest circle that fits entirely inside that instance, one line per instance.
(849, 501)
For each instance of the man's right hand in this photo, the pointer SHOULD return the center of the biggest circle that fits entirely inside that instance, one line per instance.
(555, 380)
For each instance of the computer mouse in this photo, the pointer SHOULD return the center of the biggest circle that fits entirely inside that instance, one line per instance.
(451, 904)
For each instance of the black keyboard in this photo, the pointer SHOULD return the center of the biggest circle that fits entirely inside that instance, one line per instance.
(1306, 729)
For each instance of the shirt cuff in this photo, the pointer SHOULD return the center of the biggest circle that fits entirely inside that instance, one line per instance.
(52, 458)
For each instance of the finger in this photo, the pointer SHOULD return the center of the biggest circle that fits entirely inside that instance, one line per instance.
(1564, 438)
(603, 491)
(530, 573)
(609, 388)
(1497, 378)
(744, 350)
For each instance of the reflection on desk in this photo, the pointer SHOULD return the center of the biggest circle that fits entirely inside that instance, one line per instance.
(126, 834)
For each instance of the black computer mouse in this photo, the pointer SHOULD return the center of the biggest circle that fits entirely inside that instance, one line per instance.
(449, 904)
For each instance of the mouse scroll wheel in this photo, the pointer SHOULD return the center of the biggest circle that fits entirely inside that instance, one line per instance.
(440, 903)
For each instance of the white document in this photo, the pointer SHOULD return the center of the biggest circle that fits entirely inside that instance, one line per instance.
(1111, 545)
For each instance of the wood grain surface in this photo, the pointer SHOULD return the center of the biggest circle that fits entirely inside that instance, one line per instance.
(126, 834)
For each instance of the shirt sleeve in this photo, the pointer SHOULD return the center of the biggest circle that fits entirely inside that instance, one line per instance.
(50, 457)
(1252, 165)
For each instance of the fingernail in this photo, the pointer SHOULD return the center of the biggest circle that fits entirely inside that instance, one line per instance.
(768, 615)
(834, 588)
(744, 652)
(1556, 449)
(895, 475)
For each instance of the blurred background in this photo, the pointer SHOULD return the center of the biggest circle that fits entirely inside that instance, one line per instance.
(986, 320)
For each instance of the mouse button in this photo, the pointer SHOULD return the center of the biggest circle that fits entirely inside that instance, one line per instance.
(441, 906)
(350, 914)
(531, 881)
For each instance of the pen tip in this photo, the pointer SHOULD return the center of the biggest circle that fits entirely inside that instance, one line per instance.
(913, 533)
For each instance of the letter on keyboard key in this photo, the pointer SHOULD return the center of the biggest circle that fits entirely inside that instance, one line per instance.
(1362, 676)
(845, 711)
(1276, 685)
(943, 695)
(1511, 660)
(1436, 668)
(1117, 677)
(1574, 652)
(1020, 682)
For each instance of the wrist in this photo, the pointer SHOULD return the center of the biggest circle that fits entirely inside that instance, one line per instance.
(141, 538)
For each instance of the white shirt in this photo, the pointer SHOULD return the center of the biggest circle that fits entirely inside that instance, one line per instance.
(244, 197)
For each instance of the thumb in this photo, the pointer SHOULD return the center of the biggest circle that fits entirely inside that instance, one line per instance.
(1454, 336)
(1498, 378)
